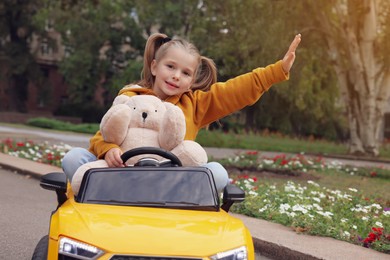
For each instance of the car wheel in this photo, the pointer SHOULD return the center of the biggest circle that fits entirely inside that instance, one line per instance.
(40, 251)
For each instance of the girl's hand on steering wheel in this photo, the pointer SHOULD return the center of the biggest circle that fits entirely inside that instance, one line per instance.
(113, 158)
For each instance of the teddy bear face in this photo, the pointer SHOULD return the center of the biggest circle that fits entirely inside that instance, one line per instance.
(146, 112)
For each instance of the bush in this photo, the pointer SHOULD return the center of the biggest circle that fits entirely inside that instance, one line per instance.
(63, 126)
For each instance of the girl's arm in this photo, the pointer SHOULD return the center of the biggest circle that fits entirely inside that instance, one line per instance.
(225, 98)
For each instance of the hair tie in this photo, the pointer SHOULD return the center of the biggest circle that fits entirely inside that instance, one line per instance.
(166, 39)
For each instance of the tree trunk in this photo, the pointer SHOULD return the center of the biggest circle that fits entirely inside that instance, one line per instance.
(364, 84)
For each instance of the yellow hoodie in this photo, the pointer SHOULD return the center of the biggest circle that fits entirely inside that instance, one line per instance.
(204, 107)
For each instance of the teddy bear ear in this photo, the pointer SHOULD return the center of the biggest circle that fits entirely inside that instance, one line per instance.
(121, 99)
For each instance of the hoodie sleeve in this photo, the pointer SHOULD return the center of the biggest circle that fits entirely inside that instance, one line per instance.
(99, 147)
(224, 98)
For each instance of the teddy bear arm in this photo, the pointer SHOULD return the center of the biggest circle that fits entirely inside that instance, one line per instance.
(173, 128)
(114, 124)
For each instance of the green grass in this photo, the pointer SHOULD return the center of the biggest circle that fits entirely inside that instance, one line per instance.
(277, 143)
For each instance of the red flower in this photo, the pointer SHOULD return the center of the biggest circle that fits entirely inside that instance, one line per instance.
(251, 152)
(377, 230)
(50, 156)
(20, 144)
(283, 162)
(372, 236)
(373, 174)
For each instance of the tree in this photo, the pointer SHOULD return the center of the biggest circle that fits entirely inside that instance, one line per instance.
(16, 61)
(105, 40)
(243, 35)
(356, 33)
(93, 33)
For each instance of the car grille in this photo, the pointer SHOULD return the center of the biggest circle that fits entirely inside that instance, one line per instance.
(132, 257)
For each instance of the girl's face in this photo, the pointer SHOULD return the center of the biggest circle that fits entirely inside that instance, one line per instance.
(174, 73)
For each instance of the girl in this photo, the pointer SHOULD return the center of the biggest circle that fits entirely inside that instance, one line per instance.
(175, 72)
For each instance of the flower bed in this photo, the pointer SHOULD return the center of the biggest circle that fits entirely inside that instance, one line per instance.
(43, 152)
(316, 210)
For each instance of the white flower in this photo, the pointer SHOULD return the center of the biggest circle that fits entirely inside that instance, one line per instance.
(283, 208)
(379, 224)
(354, 227)
(346, 234)
(376, 206)
(299, 208)
(263, 209)
(325, 214)
(352, 189)
(268, 162)
(318, 207)
(292, 214)
(313, 183)
(316, 199)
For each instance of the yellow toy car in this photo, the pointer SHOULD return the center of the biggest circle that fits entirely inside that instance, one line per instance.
(152, 210)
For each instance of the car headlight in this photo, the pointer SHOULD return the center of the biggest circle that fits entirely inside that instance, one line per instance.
(78, 250)
(234, 254)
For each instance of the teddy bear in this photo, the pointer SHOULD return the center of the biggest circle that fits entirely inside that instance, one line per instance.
(141, 121)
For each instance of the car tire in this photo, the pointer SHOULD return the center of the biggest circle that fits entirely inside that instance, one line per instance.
(40, 251)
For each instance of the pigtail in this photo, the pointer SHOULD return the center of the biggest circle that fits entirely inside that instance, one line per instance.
(153, 43)
(206, 74)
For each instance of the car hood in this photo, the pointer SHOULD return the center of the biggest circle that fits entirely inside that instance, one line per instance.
(160, 231)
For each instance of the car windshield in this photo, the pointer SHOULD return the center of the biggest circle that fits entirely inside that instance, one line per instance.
(176, 187)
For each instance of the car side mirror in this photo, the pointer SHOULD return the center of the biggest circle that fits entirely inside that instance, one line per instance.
(232, 194)
(56, 181)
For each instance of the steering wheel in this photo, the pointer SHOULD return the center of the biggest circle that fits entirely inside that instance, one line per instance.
(151, 150)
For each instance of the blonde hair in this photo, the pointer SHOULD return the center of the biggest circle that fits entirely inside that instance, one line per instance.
(156, 48)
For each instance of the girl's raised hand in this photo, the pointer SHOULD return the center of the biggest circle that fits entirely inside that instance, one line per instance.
(289, 58)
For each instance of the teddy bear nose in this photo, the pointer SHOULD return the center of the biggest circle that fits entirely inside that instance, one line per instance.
(144, 115)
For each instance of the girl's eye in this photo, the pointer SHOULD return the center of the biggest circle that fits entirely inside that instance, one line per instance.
(170, 66)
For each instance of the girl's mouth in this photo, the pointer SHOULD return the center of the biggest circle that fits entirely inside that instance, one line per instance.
(171, 84)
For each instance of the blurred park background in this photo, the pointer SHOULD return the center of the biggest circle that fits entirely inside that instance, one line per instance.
(68, 59)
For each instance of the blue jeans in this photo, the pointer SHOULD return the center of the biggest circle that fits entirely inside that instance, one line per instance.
(78, 156)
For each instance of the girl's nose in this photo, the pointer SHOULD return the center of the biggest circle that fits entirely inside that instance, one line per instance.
(176, 75)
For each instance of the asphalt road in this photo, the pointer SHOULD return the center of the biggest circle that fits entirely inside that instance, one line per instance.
(25, 210)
